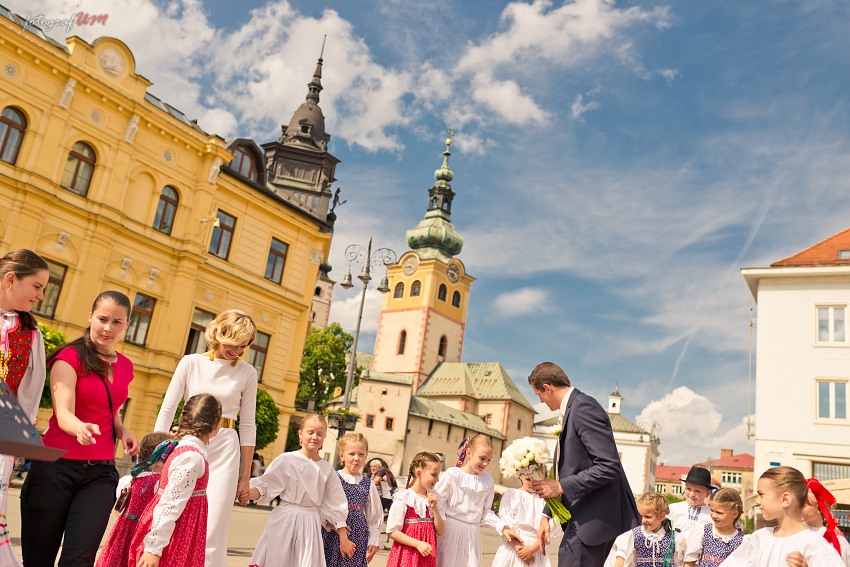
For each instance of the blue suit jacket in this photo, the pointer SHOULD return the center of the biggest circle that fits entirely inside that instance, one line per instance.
(596, 491)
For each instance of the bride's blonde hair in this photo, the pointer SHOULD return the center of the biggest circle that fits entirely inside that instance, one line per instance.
(232, 328)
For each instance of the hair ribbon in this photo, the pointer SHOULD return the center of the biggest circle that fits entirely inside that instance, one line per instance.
(825, 499)
(161, 453)
(464, 446)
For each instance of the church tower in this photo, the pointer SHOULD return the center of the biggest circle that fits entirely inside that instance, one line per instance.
(424, 315)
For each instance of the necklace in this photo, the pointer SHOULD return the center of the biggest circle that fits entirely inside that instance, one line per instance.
(111, 356)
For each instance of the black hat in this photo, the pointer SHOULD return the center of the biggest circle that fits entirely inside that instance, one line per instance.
(700, 476)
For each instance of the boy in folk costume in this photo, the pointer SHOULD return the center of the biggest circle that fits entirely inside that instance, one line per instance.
(694, 511)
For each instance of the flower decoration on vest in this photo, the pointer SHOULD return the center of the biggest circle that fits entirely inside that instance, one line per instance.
(528, 456)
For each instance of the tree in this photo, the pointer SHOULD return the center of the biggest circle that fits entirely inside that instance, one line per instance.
(324, 364)
(52, 340)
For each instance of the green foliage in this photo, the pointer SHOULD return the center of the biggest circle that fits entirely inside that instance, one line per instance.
(292, 438)
(326, 350)
(52, 340)
(672, 498)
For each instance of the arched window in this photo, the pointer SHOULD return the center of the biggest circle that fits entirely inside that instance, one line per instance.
(163, 221)
(402, 339)
(415, 288)
(456, 299)
(318, 292)
(244, 164)
(442, 350)
(441, 293)
(398, 293)
(79, 169)
(12, 127)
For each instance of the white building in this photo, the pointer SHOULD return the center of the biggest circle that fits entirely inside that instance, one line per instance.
(803, 361)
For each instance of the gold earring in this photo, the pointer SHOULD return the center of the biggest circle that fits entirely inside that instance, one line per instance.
(212, 355)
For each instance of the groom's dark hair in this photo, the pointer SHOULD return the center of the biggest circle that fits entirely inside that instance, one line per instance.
(548, 373)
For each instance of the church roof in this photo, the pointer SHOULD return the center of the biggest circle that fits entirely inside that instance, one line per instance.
(620, 424)
(432, 409)
(833, 251)
(477, 380)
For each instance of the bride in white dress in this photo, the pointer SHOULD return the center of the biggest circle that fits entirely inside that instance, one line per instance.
(234, 382)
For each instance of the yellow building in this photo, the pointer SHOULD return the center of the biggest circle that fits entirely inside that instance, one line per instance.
(118, 190)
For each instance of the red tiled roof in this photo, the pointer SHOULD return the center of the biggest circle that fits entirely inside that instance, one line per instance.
(742, 461)
(824, 253)
(670, 473)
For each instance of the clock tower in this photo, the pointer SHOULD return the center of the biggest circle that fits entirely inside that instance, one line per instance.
(424, 315)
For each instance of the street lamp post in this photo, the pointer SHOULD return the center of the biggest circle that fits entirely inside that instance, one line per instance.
(357, 254)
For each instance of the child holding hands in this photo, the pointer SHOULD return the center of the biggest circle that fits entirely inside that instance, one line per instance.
(310, 493)
(414, 521)
(172, 530)
(521, 509)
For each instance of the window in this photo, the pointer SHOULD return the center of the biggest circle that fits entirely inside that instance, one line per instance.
(415, 288)
(222, 235)
(163, 221)
(196, 342)
(402, 339)
(441, 293)
(79, 169)
(276, 260)
(370, 420)
(831, 324)
(659, 488)
(730, 477)
(243, 163)
(677, 489)
(519, 424)
(456, 299)
(388, 423)
(442, 349)
(12, 127)
(830, 471)
(257, 353)
(140, 319)
(832, 399)
(488, 418)
(47, 306)
(398, 292)
(318, 292)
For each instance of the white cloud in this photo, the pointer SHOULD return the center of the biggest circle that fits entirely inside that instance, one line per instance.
(669, 74)
(521, 302)
(579, 107)
(691, 428)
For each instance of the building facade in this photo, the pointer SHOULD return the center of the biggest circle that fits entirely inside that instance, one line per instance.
(118, 190)
(803, 361)
(736, 472)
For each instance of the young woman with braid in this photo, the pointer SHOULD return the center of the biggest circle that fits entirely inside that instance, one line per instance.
(414, 521)
(172, 530)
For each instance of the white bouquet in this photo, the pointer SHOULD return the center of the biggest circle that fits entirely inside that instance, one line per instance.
(530, 457)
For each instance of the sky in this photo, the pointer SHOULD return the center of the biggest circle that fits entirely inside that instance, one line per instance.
(616, 163)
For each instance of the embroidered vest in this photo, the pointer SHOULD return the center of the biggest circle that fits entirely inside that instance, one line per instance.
(650, 553)
(714, 550)
(20, 345)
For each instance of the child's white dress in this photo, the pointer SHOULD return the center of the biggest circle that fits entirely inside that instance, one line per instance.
(522, 511)
(845, 546)
(762, 549)
(624, 546)
(465, 501)
(310, 493)
(686, 518)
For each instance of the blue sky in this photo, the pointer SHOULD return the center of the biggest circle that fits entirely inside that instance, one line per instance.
(616, 163)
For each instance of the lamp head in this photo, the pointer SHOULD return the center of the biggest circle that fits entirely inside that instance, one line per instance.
(385, 285)
(346, 281)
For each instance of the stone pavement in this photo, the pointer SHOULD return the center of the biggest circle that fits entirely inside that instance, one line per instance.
(245, 527)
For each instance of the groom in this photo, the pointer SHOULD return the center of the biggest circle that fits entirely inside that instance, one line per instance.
(591, 481)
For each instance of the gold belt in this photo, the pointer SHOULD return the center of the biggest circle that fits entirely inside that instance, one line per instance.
(228, 422)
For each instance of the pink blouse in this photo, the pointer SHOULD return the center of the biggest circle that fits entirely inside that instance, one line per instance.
(92, 406)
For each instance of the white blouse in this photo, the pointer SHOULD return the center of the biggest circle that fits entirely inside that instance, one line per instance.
(234, 386)
(303, 482)
(762, 549)
(468, 498)
(401, 500)
(374, 510)
(688, 518)
(842, 541)
(183, 471)
(624, 546)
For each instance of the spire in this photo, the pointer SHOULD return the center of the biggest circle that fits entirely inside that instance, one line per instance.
(314, 87)
(307, 126)
(434, 236)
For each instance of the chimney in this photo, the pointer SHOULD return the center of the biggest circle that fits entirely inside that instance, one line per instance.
(726, 453)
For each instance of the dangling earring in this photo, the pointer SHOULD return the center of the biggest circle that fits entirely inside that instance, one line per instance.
(212, 355)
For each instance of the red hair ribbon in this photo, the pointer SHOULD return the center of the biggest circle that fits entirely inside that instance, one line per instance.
(825, 499)
(462, 456)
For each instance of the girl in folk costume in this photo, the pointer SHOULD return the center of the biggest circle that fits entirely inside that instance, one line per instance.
(716, 541)
(134, 494)
(172, 529)
(234, 382)
(68, 502)
(365, 511)
(693, 513)
(817, 515)
(465, 493)
(782, 493)
(414, 521)
(23, 277)
(310, 493)
(654, 543)
(521, 510)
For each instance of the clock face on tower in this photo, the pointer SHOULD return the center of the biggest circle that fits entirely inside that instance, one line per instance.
(410, 265)
(453, 273)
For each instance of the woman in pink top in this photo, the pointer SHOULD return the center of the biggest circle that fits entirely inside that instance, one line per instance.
(73, 497)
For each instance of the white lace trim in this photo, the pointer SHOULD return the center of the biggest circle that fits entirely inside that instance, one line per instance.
(463, 479)
(350, 478)
(410, 498)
